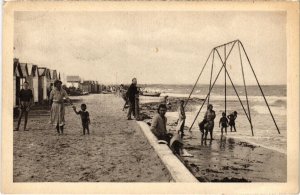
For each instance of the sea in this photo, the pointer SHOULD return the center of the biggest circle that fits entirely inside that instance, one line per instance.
(265, 132)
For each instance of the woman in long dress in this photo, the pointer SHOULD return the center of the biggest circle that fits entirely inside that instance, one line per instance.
(57, 114)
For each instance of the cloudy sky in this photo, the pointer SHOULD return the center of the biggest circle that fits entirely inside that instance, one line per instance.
(155, 47)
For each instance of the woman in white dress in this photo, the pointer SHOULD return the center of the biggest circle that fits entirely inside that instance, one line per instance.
(57, 114)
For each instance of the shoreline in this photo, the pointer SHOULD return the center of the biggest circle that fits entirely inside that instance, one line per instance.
(236, 170)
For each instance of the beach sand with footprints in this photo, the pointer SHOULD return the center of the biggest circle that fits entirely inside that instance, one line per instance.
(115, 151)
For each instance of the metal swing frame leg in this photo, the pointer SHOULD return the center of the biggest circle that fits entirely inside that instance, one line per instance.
(259, 86)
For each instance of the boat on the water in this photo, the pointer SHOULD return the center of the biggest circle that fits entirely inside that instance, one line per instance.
(152, 94)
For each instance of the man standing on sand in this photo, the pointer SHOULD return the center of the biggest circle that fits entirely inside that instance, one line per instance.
(25, 103)
(131, 94)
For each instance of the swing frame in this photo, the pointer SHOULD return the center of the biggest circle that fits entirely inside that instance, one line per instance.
(215, 51)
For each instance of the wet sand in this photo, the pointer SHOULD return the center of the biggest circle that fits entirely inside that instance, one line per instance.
(231, 160)
(227, 159)
(115, 151)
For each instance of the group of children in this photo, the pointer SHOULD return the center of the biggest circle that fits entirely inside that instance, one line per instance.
(228, 121)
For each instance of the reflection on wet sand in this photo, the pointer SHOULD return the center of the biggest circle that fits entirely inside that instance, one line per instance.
(230, 160)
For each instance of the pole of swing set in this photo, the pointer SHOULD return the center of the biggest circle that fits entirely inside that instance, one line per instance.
(225, 77)
(197, 80)
(260, 87)
(205, 99)
(211, 72)
(212, 84)
(234, 88)
(246, 93)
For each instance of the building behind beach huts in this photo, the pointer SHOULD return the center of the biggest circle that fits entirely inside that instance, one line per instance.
(33, 80)
(44, 84)
(73, 81)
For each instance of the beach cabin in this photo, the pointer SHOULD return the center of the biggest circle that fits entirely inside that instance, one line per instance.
(73, 81)
(16, 81)
(44, 84)
(86, 86)
(53, 76)
(20, 75)
(58, 76)
(33, 80)
(93, 87)
(98, 87)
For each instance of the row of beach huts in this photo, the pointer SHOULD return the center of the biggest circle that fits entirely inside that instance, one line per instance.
(41, 79)
(84, 86)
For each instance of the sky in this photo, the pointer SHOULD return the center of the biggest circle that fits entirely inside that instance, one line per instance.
(155, 47)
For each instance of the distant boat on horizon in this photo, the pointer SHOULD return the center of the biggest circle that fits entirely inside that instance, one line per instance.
(152, 94)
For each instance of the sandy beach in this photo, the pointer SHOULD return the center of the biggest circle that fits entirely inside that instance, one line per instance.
(115, 151)
(225, 159)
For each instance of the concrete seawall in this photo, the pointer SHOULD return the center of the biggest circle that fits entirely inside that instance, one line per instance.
(177, 170)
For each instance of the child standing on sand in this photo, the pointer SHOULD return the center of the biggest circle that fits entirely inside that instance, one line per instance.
(223, 122)
(85, 118)
(232, 118)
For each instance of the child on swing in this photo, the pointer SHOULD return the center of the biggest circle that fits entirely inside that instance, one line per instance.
(224, 123)
(85, 118)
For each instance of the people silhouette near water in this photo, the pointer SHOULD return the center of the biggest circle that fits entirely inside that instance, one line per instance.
(232, 117)
(223, 123)
(209, 117)
(181, 118)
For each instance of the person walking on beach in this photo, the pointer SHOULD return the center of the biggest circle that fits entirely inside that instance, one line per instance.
(85, 118)
(57, 114)
(232, 118)
(25, 103)
(159, 124)
(209, 117)
(131, 94)
(223, 122)
(181, 118)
